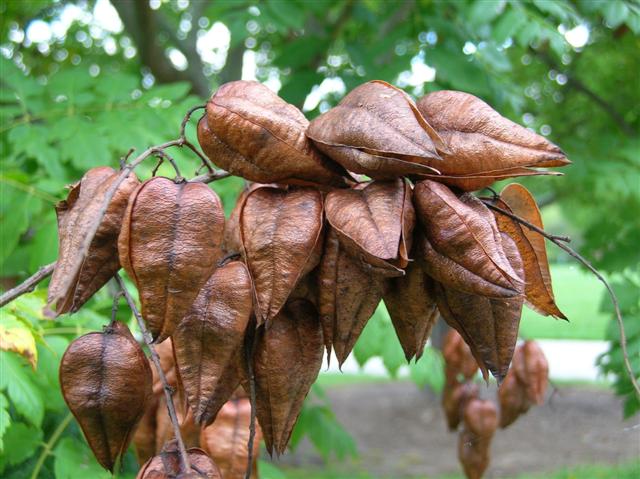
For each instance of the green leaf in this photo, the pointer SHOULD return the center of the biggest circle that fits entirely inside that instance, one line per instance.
(74, 460)
(508, 24)
(270, 471)
(481, 13)
(16, 379)
(43, 247)
(615, 12)
(50, 354)
(5, 418)
(21, 442)
(428, 370)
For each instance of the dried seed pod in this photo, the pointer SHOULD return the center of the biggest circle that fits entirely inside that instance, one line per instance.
(412, 309)
(455, 397)
(209, 340)
(374, 223)
(347, 297)
(532, 369)
(513, 400)
(169, 245)
(483, 146)
(144, 437)
(68, 291)
(251, 132)
(480, 423)
(166, 465)
(287, 359)
(378, 131)
(281, 236)
(189, 430)
(461, 245)
(458, 358)
(106, 382)
(516, 199)
(226, 440)
(488, 326)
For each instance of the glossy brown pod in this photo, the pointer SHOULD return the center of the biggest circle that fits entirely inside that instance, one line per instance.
(458, 359)
(209, 340)
(480, 423)
(68, 291)
(483, 146)
(461, 245)
(287, 359)
(378, 131)
(252, 132)
(347, 297)
(226, 440)
(169, 245)
(513, 400)
(374, 223)
(455, 397)
(281, 236)
(106, 382)
(516, 199)
(532, 369)
(488, 326)
(166, 465)
(412, 309)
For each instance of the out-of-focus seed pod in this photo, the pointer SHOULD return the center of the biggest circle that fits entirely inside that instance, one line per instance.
(166, 465)
(68, 291)
(251, 132)
(455, 396)
(513, 400)
(226, 440)
(287, 359)
(281, 240)
(461, 246)
(169, 245)
(483, 146)
(347, 297)
(378, 131)
(374, 223)
(106, 382)
(189, 430)
(480, 423)
(532, 369)
(458, 358)
(209, 340)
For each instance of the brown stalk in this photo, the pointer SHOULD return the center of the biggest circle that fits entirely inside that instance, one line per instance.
(27, 285)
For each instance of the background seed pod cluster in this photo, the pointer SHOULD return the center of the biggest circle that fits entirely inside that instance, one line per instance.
(310, 250)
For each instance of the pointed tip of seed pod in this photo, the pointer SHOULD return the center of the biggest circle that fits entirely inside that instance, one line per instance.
(49, 313)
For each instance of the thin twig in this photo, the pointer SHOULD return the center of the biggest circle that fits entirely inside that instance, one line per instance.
(187, 117)
(561, 243)
(114, 307)
(28, 285)
(168, 390)
(252, 399)
(210, 177)
(164, 155)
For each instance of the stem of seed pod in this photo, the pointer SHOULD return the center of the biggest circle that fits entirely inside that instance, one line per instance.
(168, 390)
(250, 348)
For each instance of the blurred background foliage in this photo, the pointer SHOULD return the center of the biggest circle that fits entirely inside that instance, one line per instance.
(84, 81)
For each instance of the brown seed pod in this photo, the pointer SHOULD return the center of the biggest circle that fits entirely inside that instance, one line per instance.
(374, 223)
(251, 132)
(106, 382)
(455, 396)
(287, 359)
(166, 465)
(189, 430)
(412, 309)
(513, 400)
(281, 239)
(347, 297)
(516, 199)
(169, 245)
(209, 340)
(483, 146)
(480, 423)
(458, 358)
(461, 245)
(226, 440)
(378, 131)
(144, 437)
(68, 293)
(488, 326)
(532, 369)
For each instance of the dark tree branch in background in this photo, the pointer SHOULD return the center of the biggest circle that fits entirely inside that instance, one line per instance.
(233, 66)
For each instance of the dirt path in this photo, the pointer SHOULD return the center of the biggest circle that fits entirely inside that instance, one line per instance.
(401, 432)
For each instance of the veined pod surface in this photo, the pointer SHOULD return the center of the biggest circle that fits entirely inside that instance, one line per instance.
(69, 291)
(281, 234)
(169, 245)
(287, 360)
(106, 382)
(209, 340)
(378, 131)
(482, 145)
(251, 132)
(166, 465)
(461, 246)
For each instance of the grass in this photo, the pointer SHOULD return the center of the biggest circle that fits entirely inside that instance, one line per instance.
(578, 295)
